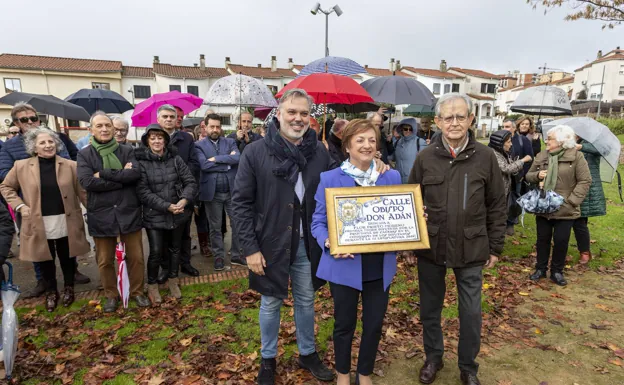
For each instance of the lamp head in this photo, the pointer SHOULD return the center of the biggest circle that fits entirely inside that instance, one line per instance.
(337, 10)
(315, 9)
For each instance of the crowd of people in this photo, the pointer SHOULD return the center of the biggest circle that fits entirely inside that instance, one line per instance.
(271, 185)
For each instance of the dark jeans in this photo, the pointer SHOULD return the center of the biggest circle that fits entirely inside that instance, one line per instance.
(164, 245)
(555, 231)
(432, 284)
(201, 220)
(58, 248)
(374, 305)
(581, 232)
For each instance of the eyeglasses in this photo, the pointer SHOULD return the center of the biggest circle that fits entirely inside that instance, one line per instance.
(121, 132)
(168, 116)
(14, 132)
(25, 119)
(450, 119)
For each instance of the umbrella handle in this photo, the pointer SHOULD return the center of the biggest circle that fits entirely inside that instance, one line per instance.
(9, 281)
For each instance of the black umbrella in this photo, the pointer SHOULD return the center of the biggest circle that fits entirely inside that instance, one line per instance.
(48, 104)
(100, 100)
(190, 122)
(398, 90)
(354, 108)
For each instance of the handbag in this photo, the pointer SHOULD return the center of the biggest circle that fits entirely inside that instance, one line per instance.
(513, 207)
(539, 201)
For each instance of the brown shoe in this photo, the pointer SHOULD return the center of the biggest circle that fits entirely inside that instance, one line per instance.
(585, 257)
(68, 296)
(51, 301)
(204, 245)
(429, 370)
(153, 294)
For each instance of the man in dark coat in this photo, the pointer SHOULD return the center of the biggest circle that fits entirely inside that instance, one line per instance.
(464, 194)
(109, 173)
(170, 118)
(218, 159)
(273, 203)
(334, 142)
(520, 147)
(243, 135)
(25, 117)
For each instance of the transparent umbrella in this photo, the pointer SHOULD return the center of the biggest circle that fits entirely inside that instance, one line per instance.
(9, 293)
(240, 90)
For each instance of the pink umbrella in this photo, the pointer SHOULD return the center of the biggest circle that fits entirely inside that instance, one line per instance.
(145, 112)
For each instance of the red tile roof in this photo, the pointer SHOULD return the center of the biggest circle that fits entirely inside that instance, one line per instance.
(433, 73)
(189, 72)
(299, 67)
(384, 72)
(617, 55)
(262, 72)
(60, 64)
(477, 73)
(480, 97)
(138, 72)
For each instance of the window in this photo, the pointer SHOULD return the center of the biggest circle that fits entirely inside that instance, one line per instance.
(436, 88)
(488, 110)
(622, 70)
(488, 88)
(193, 90)
(173, 87)
(142, 92)
(273, 89)
(100, 86)
(447, 88)
(226, 120)
(455, 87)
(12, 85)
(621, 91)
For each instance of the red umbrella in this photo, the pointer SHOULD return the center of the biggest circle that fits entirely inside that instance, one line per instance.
(330, 88)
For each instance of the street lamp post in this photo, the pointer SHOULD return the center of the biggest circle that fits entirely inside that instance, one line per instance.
(315, 10)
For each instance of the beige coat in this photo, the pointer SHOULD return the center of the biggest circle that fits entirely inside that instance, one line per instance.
(25, 177)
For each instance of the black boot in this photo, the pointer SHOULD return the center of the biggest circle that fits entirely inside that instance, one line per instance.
(314, 364)
(188, 269)
(163, 276)
(558, 278)
(266, 375)
(537, 275)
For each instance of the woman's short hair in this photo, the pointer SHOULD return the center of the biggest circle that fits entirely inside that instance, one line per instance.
(564, 135)
(357, 126)
(30, 140)
(531, 123)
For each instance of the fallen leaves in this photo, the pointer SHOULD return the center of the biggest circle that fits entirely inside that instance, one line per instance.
(605, 308)
(156, 380)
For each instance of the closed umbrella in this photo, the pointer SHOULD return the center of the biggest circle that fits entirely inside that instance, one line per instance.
(48, 104)
(240, 90)
(543, 101)
(9, 293)
(97, 99)
(333, 65)
(123, 283)
(146, 111)
(600, 136)
(353, 108)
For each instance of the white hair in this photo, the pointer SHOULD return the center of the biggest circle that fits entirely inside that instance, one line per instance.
(564, 135)
(446, 98)
(96, 114)
(30, 140)
(122, 120)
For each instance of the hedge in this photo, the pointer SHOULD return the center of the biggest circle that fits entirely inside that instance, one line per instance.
(615, 125)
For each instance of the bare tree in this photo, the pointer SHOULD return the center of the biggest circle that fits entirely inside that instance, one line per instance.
(611, 12)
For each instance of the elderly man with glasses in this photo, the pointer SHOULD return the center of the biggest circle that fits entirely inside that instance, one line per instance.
(464, 194)
(25, 118)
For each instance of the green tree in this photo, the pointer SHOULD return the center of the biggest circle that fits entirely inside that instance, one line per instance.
(611, 12)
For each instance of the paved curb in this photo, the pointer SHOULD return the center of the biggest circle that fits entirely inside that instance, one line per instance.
(96, 294)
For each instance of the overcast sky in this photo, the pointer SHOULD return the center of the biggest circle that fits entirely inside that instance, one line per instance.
(492, 35)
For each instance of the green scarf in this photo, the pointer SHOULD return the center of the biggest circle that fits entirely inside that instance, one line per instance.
(107, 152)
(553, 169)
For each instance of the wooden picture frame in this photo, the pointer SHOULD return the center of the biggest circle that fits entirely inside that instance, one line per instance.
(376, 219)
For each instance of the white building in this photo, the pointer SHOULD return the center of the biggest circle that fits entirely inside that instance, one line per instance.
(439, 81)
(481, 86)
(588, 80)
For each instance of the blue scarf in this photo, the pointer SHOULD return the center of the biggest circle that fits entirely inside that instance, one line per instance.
(363, 178)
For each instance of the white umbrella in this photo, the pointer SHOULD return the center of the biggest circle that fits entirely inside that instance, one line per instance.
(599, 135)
(9, 293)
(542, 100)
(240, 90)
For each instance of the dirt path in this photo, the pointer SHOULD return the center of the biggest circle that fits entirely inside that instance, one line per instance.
(579, 339)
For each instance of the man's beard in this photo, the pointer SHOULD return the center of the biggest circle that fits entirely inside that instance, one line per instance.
(214, 135)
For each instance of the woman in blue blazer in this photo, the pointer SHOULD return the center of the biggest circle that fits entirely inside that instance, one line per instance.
(350, 276)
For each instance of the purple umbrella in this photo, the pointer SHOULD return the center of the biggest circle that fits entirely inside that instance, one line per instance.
(145, 112)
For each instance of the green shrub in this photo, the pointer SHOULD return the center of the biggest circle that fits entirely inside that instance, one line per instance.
(615, 125)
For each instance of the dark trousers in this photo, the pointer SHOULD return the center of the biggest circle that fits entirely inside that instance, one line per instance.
(581, 232)
(374, 305)
(185, 247)
(432, 284)
(58, 248)
(549, 231)
(165, 249)
(201, 220)
(517, 187)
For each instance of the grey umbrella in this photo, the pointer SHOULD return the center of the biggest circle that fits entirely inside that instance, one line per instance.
(599, 135)
(542, 100)
(398, 90)
(48, 104)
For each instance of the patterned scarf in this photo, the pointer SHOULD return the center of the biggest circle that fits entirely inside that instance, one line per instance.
(292, 158)
(107, 152)
(363, 178)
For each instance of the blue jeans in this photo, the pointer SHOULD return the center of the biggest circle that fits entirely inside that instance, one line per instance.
(303, 295)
